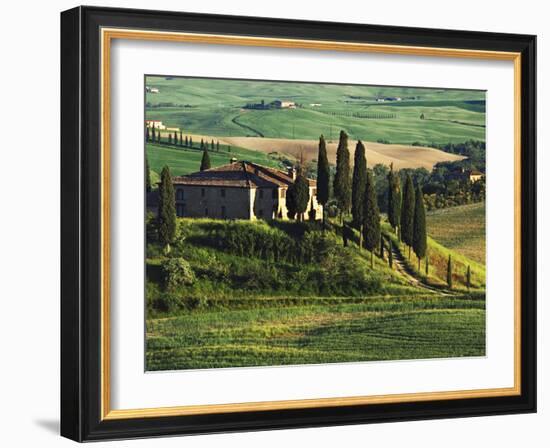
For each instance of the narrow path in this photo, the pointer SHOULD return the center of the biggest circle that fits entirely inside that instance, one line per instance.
(244, 126)
(404, 269)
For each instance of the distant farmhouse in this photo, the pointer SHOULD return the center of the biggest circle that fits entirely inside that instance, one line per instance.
(239, 190)
(470, 175)
(277, 104)
(155, 124)
(475, 175)
(388, 98)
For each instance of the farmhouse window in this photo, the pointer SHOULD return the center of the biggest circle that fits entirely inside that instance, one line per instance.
(180, 210)
(179, 194)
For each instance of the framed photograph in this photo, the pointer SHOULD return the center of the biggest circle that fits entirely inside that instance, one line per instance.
(273, 223)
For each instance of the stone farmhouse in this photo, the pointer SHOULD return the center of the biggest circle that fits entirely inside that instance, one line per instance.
(239, 190)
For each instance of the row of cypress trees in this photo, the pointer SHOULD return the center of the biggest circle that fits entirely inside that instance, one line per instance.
(356, 192)
(154, 135)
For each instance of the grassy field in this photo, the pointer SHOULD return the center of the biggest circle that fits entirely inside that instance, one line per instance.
(386, 329)
(466, 238)
(186, 160)
(249, 306)
(215, 107)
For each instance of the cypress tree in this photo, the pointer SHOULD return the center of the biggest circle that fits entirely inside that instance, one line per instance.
(147, 176)
(394, 199)
(390, 254)
(228, 148)
(300, 192)
(158, 137)
(291, 201)
(468, 278)
(427, 265)
(371, 218)
(342, 180)
(323, 175)
(167, 208)
(181, 139)
(169, 138)
(358, 184)
(407, 213)
(147, 136)
(186, 141)
(419, 228)
(217, 146)
(191, 141)
(212, 145)
(450, 272)
(153, 136)
(205, 161)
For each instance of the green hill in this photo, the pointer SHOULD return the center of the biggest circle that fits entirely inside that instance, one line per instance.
(460, 228)
(215, 107)
(285, 292)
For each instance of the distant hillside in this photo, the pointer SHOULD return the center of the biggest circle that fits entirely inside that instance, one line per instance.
(217, 107)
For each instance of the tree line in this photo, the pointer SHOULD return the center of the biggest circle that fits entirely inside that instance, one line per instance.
(355, 193)
(177, 138)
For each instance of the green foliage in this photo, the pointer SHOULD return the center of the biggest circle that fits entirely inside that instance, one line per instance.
(407, 212)
(300, 192)
(394, 199)
(342, 178)
(468, 278)
(371, 220)
(450, 272)
(358, 184)
(148, 186)
(323, 173)
(167, 208)
(205, 161)
(176, 272)
(150, 227)
(420, 243)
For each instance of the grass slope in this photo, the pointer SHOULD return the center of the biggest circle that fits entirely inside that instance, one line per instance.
(246, 309)
(461, 229)
(185, 160)
(378, 330)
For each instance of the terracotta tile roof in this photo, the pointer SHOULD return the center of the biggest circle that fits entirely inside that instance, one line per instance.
(241, 174)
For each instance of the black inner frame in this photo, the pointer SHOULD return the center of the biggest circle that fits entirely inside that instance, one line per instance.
(81, 223)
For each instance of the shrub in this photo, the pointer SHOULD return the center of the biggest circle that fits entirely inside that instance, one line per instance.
(177, 272)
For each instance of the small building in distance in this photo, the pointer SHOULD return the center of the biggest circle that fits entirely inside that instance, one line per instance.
(281, 104)
(239, 190)
(155, 124)
(475, 175)
(462, 174)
